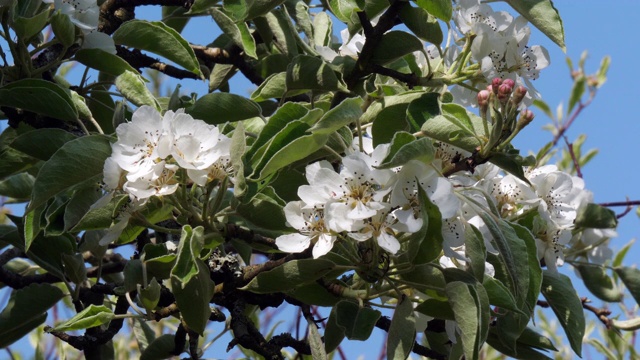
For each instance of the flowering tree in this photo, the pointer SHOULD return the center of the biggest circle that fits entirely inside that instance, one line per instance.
(375, 173)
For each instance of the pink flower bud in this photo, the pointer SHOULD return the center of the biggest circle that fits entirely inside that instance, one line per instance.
(495, 84)
(519, 94)
(504, 91)
(483, 98)
(526, 117)
(509, 82)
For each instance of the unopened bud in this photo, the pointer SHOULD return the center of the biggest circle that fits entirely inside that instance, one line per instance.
(509, 82)
(504, 91)
(495, 84)
(483, 98)
(518, 94)
(526, 117)
(483, 102)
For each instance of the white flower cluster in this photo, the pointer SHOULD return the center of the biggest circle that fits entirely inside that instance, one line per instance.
(551, 203)
(500, 47)
(85, 15)
(152, 148)
(361, 202)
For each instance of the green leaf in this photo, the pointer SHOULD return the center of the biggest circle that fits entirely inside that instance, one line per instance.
(44, 251)
(291, 152)
(77, 161)
(402, 331)
(315, 343)
(578, 89)
(143, 333)
(394, 45)
(28, 27)
(63, 28)
(343, 9)
(421, 24)
(442, 9)
(595, 278)
(238, 31)
(280, 120)
(160, 39)
(11, 160)
(190, 280)
(26, 310)
(512, 252)
(512, 164)
(314, 294)
(425, 245)
(421, 149)
(450, 130)
(132, 87)
(284, 32)
(563, 299)
(437, 309)
(322, 29)
(92, 316)
(74, 268)
(18, 187)
(149, 295)
(596, 216)
(347, 112)
(80, 204)
(53, 100)
(631, 279)
(310, 73)
(463, 300)
(103, 217)
(289, 275)
(543, 15)
(273, 86)
(264, 211)
(103, 61)
(390, 120)
(219, 108)
(476, 251)
(520, 351)
(160, 348)
(499, 295)
(356, 322)
(626, 325)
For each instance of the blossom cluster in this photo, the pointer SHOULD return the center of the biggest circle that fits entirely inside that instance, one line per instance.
(361, 202)
(152, 148)
(500, 47)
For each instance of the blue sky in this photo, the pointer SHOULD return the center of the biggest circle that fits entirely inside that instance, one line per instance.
(611, 122)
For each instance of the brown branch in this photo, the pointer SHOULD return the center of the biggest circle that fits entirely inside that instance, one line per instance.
(410, 79)
(576, 164)
(601, 313)
(233, 55)
(114, 13)
(17, 281)
(246, 334)
(233, 231)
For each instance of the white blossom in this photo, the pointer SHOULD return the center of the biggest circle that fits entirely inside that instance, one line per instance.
(142, 142)
(311, 224)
